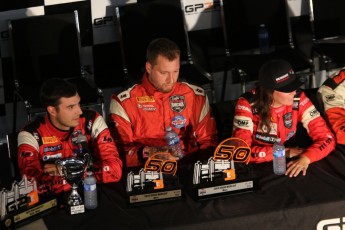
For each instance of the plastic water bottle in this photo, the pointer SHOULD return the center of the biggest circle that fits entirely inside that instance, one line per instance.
(264, 39)
(90, 191)
(279, 161)
(173, 141)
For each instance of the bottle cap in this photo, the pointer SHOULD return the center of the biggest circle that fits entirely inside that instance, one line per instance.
(278, 139)
(168, 128)
(89, 173)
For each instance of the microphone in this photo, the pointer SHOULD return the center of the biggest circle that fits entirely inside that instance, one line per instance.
(81, 140)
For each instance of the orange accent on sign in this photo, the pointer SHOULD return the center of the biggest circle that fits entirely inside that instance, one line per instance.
(33, 197)
(161, 162)
(159, 184)
(230, 174)
(234, 149)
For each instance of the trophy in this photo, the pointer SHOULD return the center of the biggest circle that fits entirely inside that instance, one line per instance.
(225, 173)
(73, 172)
(23, 204)
(155, 182)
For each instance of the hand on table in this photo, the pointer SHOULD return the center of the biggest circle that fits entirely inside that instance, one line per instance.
(296, 166)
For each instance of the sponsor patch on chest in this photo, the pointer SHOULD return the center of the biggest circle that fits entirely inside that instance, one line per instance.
(177, 103)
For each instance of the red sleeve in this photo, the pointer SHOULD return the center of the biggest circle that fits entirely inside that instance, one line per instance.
(323, 139)
(206, 130)
(333, 97)
(243, 129)
(106, 161)
(121, 130)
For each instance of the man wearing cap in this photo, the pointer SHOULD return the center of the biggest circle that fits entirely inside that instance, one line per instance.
(333, 97)
(272, 111)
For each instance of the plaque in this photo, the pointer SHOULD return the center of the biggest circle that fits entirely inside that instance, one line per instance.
(22, 204)
(152, 186)
(219, 178)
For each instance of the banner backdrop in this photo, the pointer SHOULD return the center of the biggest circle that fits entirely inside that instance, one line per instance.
(98, 30)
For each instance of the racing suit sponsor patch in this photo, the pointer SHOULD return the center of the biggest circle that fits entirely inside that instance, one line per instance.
(145, 99)
(305, 101)
(262, 154)
(265, 138)
(52, 148)
(242, 123)
(50, 140)
(52, 157)
(178, 121)
(242, 107)
(330, 97)
(313, 112)
(177, 103)
(147, 107)
(287, 118)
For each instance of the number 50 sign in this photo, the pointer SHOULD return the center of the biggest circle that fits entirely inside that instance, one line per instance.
(234, 149)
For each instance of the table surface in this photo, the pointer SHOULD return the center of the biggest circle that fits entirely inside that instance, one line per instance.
(279, 202)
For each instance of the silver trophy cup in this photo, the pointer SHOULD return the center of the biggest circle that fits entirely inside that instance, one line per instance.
(73, 171)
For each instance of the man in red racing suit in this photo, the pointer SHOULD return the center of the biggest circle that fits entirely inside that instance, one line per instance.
(333, 97)
(140, 115)
(41, 143)
(283, 125)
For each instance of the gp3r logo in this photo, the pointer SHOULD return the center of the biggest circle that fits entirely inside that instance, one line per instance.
(331, 224)
(234, 149)
(203, 6)
(105, 21)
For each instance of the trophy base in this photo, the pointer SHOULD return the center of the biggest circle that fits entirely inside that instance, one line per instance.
(219, 187)
(172, 190)
(214, 190)
(76, 209)
(29, 214)
(144, 197)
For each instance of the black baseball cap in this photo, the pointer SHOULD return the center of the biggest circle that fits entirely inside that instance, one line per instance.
(277, 74)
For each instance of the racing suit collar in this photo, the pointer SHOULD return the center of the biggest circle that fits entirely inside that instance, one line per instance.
(63, 134)
(151, 89)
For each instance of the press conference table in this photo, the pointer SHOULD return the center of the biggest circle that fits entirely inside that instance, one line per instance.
(280, 202)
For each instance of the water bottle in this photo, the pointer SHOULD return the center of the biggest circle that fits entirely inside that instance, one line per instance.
(279, 161)
(173, 141)
(90, 191)
(264, 39)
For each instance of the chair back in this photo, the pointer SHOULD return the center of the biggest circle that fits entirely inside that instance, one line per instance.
(241, 20)
(140, 23)
(44, 47)
(327, 18)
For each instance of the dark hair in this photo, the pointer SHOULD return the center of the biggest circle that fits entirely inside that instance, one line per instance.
(55, 88)
(263, 99)
(164, 47)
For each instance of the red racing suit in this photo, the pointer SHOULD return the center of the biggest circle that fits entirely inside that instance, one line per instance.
(284, 121)
(140, 115)
(333, 97)
(40, 143)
